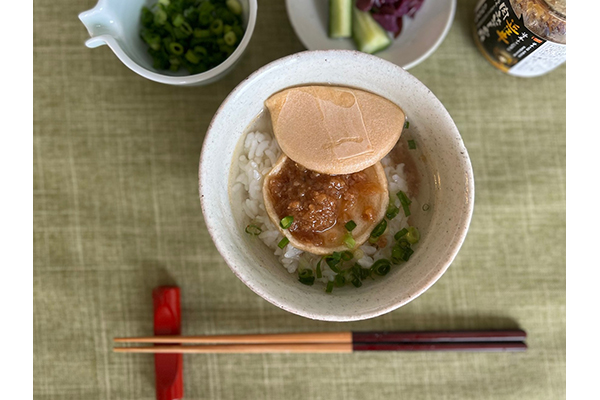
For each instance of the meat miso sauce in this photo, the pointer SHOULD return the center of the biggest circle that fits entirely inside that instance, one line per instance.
(332, 229)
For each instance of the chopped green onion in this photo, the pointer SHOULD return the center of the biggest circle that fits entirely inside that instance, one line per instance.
(406, 125)
(306, 277)
(356, 282)
(286, 222)
(284, 242)
(176, 48)
(347, 255)
(379, 229)
(216, 27)
(412, 145)
(381, 267)
(413, 235)
(358, 254)
(234, 6)
(407, 253)
(230, 38)
(349, 241)
(405, 202)
(319, 273)
(201, 33)
(329, 287)
(392, 211)
(253, 230)
(350, 225)
(160, 16)
(397, 254)
(400, 233)
(339, 280)
(178, 20)
(333, 261)
(192, 57)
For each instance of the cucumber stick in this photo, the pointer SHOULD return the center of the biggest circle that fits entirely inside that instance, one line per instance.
(340, 18)
(368, 35)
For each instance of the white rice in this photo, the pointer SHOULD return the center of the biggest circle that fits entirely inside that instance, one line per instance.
(259, 154)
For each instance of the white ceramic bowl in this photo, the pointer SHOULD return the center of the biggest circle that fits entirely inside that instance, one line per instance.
(448, 175)
(116, 23)
(419, 38)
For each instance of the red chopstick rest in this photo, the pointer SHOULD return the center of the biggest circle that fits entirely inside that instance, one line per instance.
(167, 321)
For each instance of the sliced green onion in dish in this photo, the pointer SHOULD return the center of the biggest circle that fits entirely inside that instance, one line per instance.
(230, 38)
(406, 125)
(356, 282)
(347, 255)
(339, 280)
(405, 202)
(284, 242)
(286, 222)
(319, 273)
(378, 231)
(329, 287)
(392, 211)
(306, 277)
(349, 241)
(381, 267)
(333, 260)
(400, 233)
(253, 230)
(350, 225)
(412, 145)
(413, 235)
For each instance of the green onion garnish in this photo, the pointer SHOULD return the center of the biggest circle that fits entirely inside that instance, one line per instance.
(379, 229)
(392, 211)
(356, 282)
(412, 145)
(400, 233)
(333, 260)
(347, 255)
(406, 125)
(286, 222)
(329, 287)
(253, 230)
(350, 225)
(306, 277)
(397, 254)
(339, 280)
(284, 242)
(319, 274)
(349, 241)
(173, 29)
(381, 267)
(413, 235)
(405, 202)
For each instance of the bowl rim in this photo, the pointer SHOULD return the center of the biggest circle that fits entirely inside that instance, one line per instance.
(177, 80)
(418, 60)
(212, 226)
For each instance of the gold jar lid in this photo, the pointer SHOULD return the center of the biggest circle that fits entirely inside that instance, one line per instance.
(545, 18)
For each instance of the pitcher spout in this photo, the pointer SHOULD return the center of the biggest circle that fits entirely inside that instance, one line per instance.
(100, 24)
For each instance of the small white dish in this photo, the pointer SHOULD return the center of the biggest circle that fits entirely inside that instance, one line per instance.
(116, 23)
(446, 169)
(419, 38)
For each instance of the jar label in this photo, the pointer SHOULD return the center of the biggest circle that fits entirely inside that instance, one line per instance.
(506, 43)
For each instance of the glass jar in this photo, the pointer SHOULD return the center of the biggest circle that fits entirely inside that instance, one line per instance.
(523, 38)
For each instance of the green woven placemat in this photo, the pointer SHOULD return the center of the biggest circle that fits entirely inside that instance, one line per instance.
(116, 213)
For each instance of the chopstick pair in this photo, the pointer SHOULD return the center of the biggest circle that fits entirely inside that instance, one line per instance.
(332, 342)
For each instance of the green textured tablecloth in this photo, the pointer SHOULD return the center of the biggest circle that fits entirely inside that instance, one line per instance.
(116, 213)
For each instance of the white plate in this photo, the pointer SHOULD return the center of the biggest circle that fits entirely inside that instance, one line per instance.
(419, 38)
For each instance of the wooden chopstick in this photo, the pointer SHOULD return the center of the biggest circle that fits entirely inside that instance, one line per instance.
(332, 342)
(310, 337)
(325, 347)
(339, 337)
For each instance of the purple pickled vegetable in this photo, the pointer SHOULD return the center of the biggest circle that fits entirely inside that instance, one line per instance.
(389, 13)
(389, 22)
